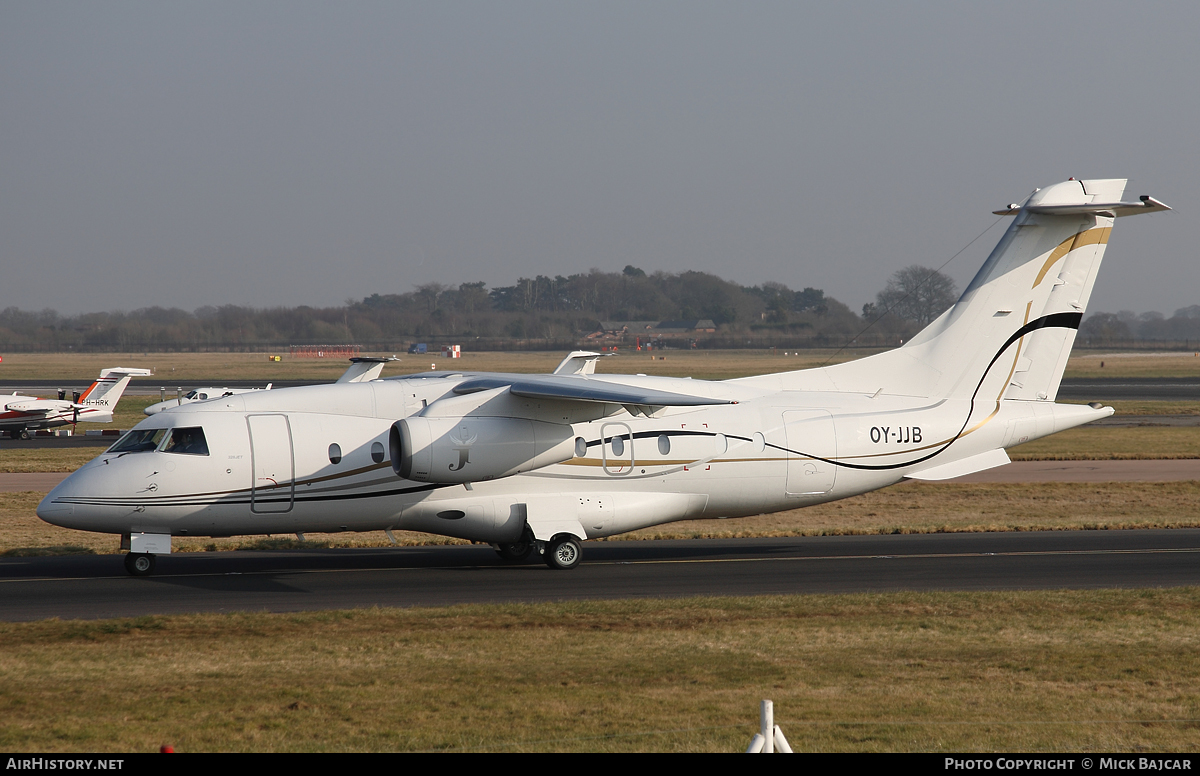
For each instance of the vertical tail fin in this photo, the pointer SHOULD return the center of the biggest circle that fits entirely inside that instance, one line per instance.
(1011, 331)
(104, 394)
(364, 369)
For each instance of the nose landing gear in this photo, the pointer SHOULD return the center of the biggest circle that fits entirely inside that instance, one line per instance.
(139, 564)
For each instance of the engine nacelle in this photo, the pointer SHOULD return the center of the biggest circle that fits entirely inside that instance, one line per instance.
(459, 450)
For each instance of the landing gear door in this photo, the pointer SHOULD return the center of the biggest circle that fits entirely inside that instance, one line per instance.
(274, 486)
(811, 449)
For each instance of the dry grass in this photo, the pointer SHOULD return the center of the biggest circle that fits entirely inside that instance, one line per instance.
(13, 459)
(1138, 408)
(914, 507)
(1021, 671)
(1133, 364)
(168, 367)
(81, 368)
(1089, 443)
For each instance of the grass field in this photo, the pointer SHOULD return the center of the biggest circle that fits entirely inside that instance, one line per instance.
(707, 364)
(78, 369)
(1114, 671)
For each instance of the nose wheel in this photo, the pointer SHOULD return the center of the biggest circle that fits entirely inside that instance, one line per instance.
(139, 564)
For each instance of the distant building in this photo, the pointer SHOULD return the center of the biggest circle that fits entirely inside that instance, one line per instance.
(653, 329)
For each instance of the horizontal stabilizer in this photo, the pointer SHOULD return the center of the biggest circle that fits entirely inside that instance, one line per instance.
(976, 463)
(120, 371)
(1110, 209)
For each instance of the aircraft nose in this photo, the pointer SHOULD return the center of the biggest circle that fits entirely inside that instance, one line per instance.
(51, 509)
(66, 505)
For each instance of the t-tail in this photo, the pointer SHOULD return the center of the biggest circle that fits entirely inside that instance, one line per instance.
(1010, 333)
(101, 397)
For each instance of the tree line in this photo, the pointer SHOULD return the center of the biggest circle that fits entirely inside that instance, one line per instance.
(547, 312)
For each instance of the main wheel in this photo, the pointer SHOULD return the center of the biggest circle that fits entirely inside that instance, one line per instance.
(563, 552)
(139, 564)
(515, 552)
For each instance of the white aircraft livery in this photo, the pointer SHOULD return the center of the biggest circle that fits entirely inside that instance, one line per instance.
(536, 464)
(19, 414)
(361, 369)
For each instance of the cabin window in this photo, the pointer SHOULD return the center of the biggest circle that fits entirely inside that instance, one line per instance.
(189, 441)
(614, 446)
(335, 453)
(580, 447)
(142, 440)
(664, 444)
(377, 452)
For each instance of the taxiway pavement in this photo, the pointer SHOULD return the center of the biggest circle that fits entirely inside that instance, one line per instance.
(89, 587)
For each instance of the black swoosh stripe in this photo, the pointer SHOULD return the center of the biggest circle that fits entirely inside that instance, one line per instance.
(1054, 321)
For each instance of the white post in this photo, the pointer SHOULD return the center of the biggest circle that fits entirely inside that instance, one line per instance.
(781, 742)
(771, 739)
(767, 722)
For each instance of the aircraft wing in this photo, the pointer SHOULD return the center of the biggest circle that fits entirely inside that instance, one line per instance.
(574, 388)
(33, 407)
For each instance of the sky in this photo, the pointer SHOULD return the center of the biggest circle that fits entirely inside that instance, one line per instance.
(307, 153)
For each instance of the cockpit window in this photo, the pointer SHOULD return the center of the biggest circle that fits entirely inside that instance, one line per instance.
(187, 440)
(139, 441)
(190, 395)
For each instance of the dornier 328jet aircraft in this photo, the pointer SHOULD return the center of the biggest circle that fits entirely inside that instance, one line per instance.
(536, 464)
(19, 414)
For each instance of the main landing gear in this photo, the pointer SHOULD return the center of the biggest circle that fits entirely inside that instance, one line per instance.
(561, 552)
(139, 564)
(516, 552)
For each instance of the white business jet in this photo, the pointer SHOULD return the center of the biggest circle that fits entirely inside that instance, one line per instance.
(198, 394)
(361, 369)
(20, 414)
(536, 464)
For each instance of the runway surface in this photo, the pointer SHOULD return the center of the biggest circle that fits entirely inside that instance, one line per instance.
(90, 587)
(1129, 389)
